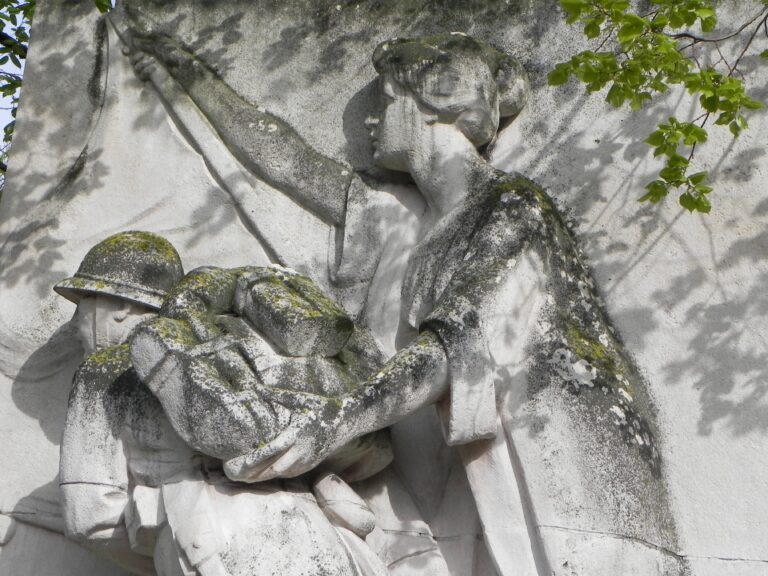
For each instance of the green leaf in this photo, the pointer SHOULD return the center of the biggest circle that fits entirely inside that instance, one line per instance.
(705, 207)
(697, 178)
(743, 124)
(671, 175)
(764, 54)
(657, 191)
(689, 202)
(592, 26)
(634, 26)
(573, 8)
(615, 96)
(677, 161)
(103, 5)
(655, 139)
(709, 103)
(708, 24)
(559, 75)
(694, 134)
(704, 12)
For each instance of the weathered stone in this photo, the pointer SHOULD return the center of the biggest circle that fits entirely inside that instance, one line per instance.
(247, 146)
(138, 266)
(292, 312)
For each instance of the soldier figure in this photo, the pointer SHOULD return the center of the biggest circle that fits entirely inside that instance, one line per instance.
(135, 491)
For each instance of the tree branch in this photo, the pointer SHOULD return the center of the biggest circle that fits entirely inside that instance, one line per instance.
(11, 42)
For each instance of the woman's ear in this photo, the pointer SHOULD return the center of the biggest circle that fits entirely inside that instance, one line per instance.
(514, 87)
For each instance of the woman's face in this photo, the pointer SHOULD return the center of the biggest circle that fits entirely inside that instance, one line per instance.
(398, 131)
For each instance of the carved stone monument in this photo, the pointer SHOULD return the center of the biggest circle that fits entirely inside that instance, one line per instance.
(387, 356)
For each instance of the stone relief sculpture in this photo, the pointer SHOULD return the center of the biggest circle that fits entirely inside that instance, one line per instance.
(134, 491)
(486, 312)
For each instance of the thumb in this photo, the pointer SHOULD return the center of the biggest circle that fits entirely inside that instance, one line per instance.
(248, 467)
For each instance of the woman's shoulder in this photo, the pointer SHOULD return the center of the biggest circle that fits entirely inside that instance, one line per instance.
(514, 189)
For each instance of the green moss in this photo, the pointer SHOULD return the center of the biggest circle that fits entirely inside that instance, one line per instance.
(524, 188)
(279, 295)
(177, 332)
(79, 283)
(350, 382)
(543, 200)
(111, 357)
(137, 241)
(593, 351)
(589, 348)
(300, 294)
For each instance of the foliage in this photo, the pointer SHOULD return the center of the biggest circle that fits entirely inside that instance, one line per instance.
(16, 18)
(652, 52)
(638, 56)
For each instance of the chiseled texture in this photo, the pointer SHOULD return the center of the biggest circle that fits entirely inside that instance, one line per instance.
(584, 428)
(225, 389)
(117, 436)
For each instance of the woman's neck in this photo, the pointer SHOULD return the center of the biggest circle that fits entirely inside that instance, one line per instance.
(444, 169)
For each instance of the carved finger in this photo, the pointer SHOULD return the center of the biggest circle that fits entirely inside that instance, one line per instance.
(135, 57)
(144, 70)
(289, 465)
(142, 44)
(251, 466)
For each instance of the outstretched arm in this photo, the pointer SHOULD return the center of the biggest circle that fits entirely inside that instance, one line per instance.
(227, 392)
(416, 376)
(266, 145)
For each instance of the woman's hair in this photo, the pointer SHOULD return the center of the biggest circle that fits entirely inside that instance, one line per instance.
(462, 80)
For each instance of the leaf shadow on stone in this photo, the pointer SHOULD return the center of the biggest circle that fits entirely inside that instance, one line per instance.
(726, 360)
(30, 253)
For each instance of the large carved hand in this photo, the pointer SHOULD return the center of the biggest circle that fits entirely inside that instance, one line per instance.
(307, 441)
(158, 55)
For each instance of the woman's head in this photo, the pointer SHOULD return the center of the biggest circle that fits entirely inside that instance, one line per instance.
(457, 78)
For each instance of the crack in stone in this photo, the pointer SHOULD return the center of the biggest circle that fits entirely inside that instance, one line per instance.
(649, 544)
(618, 537)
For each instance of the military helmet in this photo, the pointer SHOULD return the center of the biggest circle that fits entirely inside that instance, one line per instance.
(138, 266)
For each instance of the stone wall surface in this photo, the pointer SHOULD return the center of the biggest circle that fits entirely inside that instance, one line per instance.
(98, 152)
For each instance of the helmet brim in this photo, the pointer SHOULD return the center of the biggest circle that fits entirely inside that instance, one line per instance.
(73, 289)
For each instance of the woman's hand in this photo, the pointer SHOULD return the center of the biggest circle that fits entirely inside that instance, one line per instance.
(308, 440)
(152, 55)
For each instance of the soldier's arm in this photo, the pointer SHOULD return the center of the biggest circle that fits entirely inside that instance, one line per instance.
(210, 357)
(94, 477)
(266, 145)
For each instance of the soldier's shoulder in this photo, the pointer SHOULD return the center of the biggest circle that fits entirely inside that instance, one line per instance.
(110, 362)
(104, 371)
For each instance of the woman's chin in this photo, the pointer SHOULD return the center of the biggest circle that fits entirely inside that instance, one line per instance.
(388, 162)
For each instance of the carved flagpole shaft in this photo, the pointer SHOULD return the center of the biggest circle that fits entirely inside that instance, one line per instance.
(252, 198)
